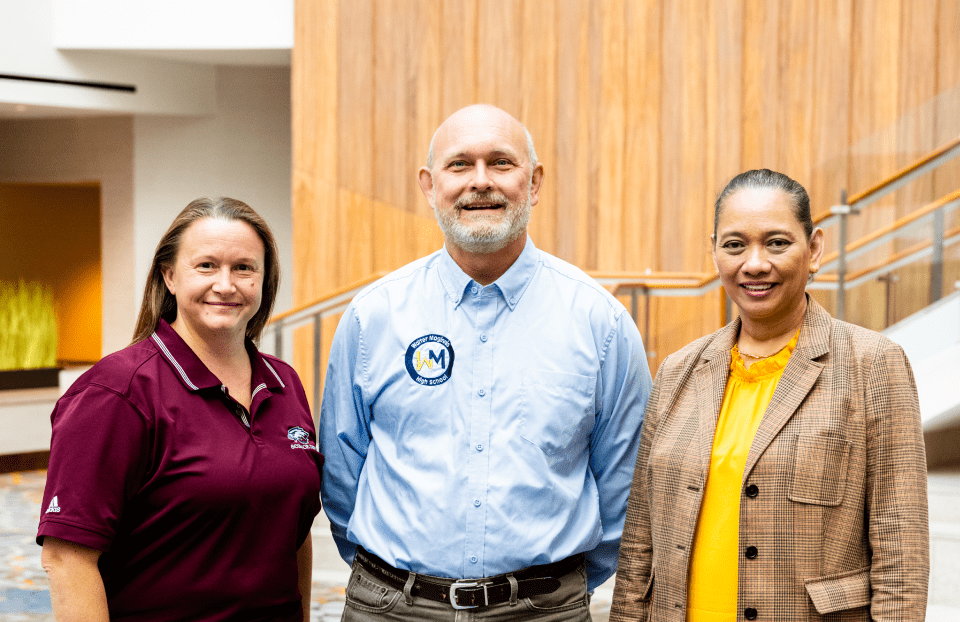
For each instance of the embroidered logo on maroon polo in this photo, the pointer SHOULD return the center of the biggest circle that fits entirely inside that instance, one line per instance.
(300, 438)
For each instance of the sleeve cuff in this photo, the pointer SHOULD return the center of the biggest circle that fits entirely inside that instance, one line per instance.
(73, 533)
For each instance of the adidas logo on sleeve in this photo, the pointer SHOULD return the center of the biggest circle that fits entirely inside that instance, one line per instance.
(54, 506)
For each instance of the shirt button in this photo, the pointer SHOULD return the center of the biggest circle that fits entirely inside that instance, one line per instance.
(751, 552)
(479, 447)
(513, 301)
(474, 290)
(483, 338)
(750, 613)
(752, 490)
(476, 503)
(482, 392)
(474, 559)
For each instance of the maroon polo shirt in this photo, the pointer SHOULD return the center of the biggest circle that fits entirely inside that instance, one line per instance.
(198, 516)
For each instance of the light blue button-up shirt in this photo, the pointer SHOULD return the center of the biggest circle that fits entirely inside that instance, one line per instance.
(471, 431)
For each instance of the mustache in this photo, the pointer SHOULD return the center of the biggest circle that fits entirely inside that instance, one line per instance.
(480, 197)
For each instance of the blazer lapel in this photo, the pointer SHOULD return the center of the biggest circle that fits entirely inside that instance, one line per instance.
(798, 378)
(711, 382)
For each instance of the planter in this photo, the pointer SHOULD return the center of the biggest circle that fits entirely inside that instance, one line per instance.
(29, 378)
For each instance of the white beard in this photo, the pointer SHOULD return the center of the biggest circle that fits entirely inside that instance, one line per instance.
(484, 233)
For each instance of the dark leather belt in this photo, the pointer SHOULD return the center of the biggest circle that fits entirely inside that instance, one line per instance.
(471, 593)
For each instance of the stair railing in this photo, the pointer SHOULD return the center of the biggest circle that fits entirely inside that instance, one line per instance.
(314, 313)
(854, 205)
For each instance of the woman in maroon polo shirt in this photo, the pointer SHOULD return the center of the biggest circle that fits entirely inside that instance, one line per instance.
(184, 473)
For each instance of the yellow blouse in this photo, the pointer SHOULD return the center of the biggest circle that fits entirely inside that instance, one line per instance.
(712, 587)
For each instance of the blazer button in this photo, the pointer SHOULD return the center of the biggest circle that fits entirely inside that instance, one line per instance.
(750, 613)
(751, 552)
(752, 490)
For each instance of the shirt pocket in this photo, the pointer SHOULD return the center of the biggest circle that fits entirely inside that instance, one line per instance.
(556, 408)
(819, 469)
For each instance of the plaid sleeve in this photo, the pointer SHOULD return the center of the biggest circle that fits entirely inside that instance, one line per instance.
(896, 501)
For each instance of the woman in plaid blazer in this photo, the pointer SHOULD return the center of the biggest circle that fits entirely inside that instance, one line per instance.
(832, 521)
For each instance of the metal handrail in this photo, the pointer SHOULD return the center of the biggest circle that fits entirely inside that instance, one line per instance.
(928, 162)
(883, 235)
(325, 306)
(918, 251)
(854, 205)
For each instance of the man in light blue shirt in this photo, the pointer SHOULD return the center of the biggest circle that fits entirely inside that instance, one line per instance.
(482, 407)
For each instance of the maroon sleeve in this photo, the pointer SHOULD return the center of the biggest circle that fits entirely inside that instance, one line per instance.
(99, 453)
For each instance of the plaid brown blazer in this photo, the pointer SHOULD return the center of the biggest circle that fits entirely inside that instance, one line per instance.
(834, 492)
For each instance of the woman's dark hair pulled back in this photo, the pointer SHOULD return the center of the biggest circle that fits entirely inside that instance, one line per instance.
(764, 178)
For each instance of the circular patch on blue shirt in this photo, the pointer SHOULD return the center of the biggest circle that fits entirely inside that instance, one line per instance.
(430, 360)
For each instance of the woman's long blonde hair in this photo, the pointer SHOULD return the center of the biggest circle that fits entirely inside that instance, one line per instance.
(159, 303)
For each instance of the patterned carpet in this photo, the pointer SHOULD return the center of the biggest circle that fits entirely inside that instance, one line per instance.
(25, 592)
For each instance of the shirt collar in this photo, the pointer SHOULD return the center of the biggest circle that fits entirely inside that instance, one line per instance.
(512, 284)
(191, 370)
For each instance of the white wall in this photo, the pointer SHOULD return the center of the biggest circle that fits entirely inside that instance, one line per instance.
(931, 340)
(173, 24)
(25, 420)
(27, 48)
(243, 152)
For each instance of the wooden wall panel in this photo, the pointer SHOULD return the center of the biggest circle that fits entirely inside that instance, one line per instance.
(728, 94)
(302, 361)
(917, 91)
(692, 205)
(392, 39)
(831, 108)
(572, 33)
(426, 76)
(356, 216)
(947, 112)
(641, 178)
(947, 106)
(671, 127)
(500, 48)
(460, 54)
(915, 137)
(590, 102)
(539, 112)
(357, 159)
(610, 154)
(876, 70)
(797, 20)
(641, 110)
(394, 85)
(315, 153)
(762, 96)
(357, 94)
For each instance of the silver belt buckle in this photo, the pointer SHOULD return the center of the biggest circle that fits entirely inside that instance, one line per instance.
(458, 584)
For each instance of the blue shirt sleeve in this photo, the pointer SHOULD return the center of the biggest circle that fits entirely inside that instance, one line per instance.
(625, 386)
(344, 430)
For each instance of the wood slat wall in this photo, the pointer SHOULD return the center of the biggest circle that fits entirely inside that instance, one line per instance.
(640, 110)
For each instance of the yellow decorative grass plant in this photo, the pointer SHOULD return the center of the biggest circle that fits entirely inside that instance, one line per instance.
(28, 326)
